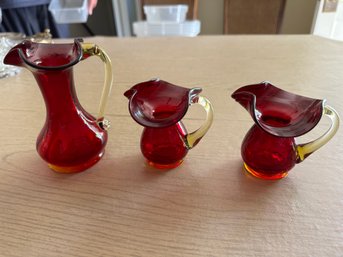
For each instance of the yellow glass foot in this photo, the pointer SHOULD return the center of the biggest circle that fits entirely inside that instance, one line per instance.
(262, 175)
(164, 166)
(76, 168)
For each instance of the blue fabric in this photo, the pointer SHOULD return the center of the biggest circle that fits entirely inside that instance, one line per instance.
(6, 4)
(32, 20)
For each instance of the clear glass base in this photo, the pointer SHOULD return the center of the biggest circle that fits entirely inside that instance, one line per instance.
(8, 71)
(7, 41)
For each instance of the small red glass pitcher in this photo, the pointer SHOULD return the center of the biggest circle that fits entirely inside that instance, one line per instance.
(159, 106)
(269, 149)
(71, 140)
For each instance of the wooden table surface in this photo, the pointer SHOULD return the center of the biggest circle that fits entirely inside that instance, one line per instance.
(208, 206)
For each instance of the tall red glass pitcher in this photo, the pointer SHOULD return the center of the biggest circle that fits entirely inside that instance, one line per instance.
(71, 140)
(269, 149)
(159, 106)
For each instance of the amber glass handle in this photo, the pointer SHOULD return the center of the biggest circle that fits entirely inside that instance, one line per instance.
(192, 139)
(304, 150)
(92, 49)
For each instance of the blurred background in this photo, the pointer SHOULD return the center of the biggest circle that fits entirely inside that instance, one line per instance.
(320, 17)
(122, 18)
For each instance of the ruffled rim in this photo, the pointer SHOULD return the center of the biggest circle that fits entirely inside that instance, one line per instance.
(279, 112)
(31, 54)
(157, 103)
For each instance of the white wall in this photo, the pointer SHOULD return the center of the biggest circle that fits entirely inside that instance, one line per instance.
(211, 15)
(329, 24)
(298, 16)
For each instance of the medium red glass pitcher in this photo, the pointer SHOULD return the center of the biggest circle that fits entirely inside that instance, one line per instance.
(71, 140)
(159, 106)
(269, 150)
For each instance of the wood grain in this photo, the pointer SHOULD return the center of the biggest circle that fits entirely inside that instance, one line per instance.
(208, 206)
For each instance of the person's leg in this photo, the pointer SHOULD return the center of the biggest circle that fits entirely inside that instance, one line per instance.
(32, 20)
(19, 20)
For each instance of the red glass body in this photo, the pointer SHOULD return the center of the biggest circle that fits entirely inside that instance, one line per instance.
(267, 156)
(71, 140)
(164, 147)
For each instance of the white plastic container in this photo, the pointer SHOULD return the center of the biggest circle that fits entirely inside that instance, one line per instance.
(165, 13)
(185, 29)
(69, 11)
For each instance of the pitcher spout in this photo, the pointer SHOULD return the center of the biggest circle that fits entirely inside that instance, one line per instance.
(13, 57)
(129, 93)
(247, 100)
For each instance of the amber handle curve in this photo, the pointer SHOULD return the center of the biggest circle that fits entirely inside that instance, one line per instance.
(304, 150)
(94, 50)
(193, 138)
